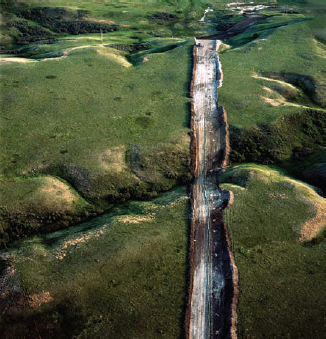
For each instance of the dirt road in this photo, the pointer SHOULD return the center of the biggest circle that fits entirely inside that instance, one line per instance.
(209, 313)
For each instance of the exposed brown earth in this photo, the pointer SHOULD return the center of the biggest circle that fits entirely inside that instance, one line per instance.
(213, 288)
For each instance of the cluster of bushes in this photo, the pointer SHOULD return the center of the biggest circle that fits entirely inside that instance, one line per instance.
(139, 191)
(256, 144)
(268, 144)
(103, 190)
(161, 17)
(168, 164)
(295, 142)
(29, 33)
(22, 224)
(81, 27)
(310, 167)
(224, 21)
(47, 14)
(131, 47)
(60, 20)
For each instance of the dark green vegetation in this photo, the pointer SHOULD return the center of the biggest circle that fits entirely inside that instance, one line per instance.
(311, 168)
(273, 142)
(124, 278)
(296, 142)
(281, 280)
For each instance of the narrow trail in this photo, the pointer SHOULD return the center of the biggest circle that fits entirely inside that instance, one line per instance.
(213, 282)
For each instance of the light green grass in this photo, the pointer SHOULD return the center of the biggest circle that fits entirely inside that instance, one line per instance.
(281, 281)
(91, 103)
(128, 282)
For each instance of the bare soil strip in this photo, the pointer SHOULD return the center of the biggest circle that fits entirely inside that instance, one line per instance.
(213, 287)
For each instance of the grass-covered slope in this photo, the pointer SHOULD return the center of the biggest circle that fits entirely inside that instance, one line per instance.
(113, 132)
(94, 95)
(274, 91)
(124, 278)
(38, 204)
(276, 225)
(279, 72)
(111, 113)
(87, 104)
(108, 122)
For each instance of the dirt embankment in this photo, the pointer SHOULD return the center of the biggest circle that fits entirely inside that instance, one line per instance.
(193, 142)
(234, 298)
(223, 136)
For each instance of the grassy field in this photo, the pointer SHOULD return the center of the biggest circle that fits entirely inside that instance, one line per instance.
(274, 91)
(249, 92)
(88, 103)
(125, 277)
(96, 125)
(109, 124)
(272, 222)
(107, 119)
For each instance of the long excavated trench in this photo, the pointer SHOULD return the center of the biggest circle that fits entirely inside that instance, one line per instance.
(213, 288)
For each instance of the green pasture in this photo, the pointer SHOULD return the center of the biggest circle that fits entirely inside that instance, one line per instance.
(125, 277)
(265, 51)
(88, 103)
(85, 125)
(112, 130)
(281, 279)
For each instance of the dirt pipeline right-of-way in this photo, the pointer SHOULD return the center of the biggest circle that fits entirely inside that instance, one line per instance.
(213, 288)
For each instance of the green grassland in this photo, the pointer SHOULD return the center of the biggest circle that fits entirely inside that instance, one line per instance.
(291, 48)
(89, 98)
(281, 278)
(125, 277)
(98, 122)
(274, 92)
(110, 111)
(109, 122)
(136, 20)
(276, 119)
